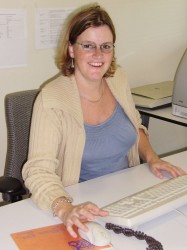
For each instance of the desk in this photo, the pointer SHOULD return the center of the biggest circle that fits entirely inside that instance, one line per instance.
(169, 229)
(164, 114)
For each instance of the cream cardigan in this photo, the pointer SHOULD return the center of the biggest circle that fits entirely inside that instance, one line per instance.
(57, 137)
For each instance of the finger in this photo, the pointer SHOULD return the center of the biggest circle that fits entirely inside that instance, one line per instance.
(80, 224)
(172, 172)
(180, 171)
(94, 209)
(86, 213)
(100, 212)
(103, 213)
(176, 171)
(69, 227)
(157, 173)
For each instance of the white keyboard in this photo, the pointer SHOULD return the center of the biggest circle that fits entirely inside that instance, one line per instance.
(149, 203)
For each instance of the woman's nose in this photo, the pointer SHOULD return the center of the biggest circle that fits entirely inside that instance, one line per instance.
(98, 51)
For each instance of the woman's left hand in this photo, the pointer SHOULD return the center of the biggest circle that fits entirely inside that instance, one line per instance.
(158, 165)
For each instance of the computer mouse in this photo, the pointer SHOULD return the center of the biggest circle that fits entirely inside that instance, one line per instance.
(96, 235)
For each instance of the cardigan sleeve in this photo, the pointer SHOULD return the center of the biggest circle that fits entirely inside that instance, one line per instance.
(40, 171)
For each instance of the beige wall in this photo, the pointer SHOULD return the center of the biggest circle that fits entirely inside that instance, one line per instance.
(151, 37)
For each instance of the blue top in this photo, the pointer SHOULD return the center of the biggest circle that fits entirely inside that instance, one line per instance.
(107, 145)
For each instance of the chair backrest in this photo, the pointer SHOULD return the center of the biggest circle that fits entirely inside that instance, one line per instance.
(18, 113)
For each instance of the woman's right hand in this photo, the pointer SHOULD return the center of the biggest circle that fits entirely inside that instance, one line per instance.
(75, 215)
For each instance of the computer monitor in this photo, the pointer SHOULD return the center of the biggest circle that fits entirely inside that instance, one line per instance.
(179, 99)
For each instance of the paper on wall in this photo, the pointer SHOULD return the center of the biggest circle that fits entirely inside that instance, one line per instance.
(13, 38)
(48, 25)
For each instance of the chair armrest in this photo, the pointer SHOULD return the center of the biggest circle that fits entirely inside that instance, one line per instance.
(10, 185)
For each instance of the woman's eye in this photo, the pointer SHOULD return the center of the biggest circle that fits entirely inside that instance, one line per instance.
(88, 46)
(106, 46)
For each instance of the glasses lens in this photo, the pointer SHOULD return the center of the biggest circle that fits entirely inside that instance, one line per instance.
(88, 46)
(107, 47)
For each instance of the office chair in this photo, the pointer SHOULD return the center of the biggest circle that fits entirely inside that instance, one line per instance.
(18, 112)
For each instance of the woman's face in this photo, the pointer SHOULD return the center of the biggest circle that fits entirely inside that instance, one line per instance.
(90, 61)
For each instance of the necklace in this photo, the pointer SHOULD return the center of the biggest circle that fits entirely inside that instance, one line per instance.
(98, 99)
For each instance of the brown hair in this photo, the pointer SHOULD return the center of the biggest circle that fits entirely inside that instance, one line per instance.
(91, 15)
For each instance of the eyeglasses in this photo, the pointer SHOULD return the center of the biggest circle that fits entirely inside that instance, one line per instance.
(90, 47)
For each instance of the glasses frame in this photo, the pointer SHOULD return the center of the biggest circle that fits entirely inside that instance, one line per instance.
(95, 46)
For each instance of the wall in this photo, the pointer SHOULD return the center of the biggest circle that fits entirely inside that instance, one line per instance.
(151, 38)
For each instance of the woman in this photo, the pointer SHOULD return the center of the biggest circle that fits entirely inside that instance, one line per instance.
(84, 122)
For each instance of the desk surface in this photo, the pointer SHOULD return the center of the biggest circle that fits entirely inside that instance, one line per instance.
(164, 114)
(169, 229)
